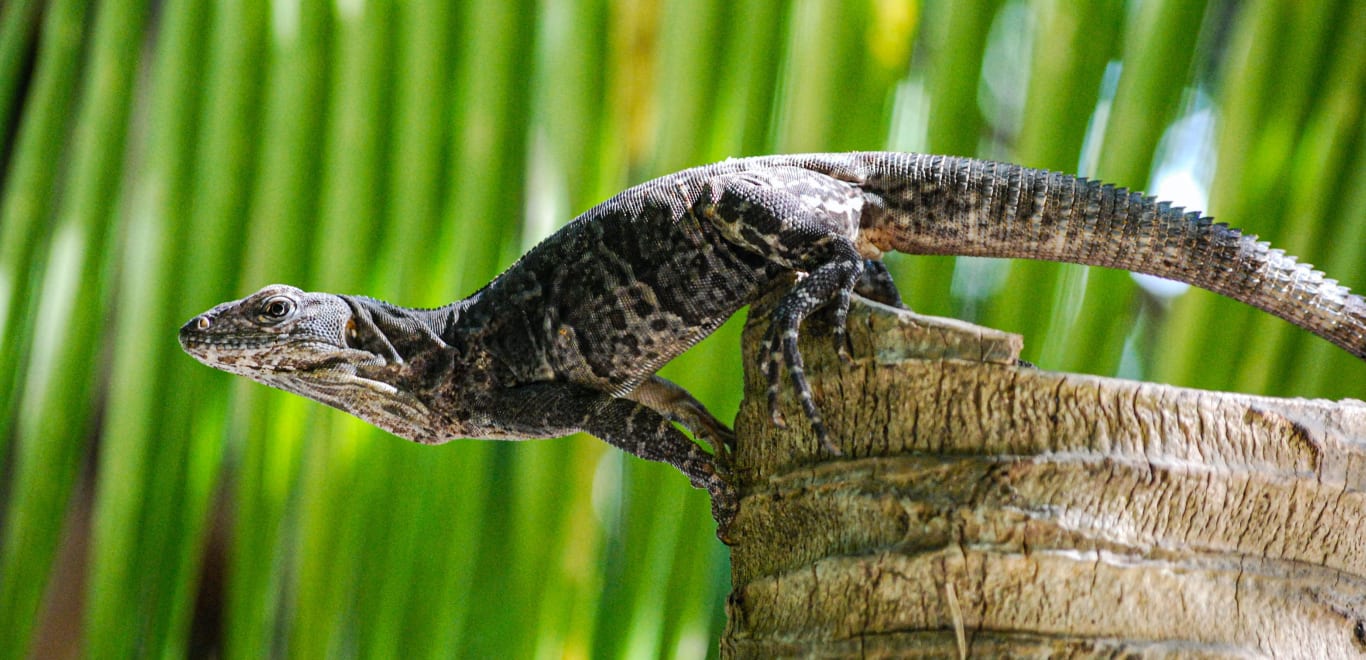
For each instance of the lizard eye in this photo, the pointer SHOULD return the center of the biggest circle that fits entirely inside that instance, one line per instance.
(276, 309)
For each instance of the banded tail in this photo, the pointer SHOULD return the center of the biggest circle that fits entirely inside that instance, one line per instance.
(963, 206)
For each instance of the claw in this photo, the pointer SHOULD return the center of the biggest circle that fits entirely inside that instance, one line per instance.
(842, 346)
(723, 532)
(824, 437)
(722, 442)
(772, 372)
(776, 417)
(725, 504)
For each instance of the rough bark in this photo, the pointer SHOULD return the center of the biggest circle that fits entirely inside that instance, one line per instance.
(984, 509)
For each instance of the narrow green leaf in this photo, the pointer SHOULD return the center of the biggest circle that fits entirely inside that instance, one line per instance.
(19, 21)
(154, 494)
(30, 191)
(54, 422)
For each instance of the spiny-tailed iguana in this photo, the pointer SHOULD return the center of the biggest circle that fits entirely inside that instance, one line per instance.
(569, 338)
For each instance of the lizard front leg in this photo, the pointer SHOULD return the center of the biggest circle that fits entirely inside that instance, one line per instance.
(676, 404)
(560, 408)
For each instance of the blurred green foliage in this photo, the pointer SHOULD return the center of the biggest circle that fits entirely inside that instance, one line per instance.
(159, 157)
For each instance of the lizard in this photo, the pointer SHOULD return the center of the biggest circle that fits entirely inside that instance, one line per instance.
(570, 336)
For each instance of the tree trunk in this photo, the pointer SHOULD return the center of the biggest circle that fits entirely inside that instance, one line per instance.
(986, 509)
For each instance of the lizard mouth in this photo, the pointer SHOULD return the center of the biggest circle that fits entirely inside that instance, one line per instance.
(272, 358)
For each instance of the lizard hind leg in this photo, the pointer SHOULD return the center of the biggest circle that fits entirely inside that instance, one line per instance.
(830, 282)
(804, 221)
(876, 284)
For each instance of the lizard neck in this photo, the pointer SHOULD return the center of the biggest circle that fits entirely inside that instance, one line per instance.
(403, 334)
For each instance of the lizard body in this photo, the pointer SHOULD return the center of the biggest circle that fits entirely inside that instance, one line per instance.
(569, 338)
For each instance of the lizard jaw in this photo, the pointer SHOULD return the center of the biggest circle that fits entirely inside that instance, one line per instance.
(329, 369)
(380, 403)
(329, 376)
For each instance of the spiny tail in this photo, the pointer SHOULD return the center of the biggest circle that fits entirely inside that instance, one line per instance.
(961, 206)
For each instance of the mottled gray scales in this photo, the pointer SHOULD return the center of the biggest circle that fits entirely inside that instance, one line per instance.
(569, 338)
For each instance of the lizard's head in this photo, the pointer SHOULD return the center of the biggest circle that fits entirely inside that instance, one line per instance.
(317, 345)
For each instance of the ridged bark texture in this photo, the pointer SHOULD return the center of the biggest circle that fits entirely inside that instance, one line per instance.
(986, 509)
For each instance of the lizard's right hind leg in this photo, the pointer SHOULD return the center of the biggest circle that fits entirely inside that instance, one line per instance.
(807, 222)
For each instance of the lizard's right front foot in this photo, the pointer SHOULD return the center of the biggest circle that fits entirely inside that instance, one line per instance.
(725, 504)
(725, 501)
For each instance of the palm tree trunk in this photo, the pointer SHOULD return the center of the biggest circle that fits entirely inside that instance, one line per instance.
(983, 509)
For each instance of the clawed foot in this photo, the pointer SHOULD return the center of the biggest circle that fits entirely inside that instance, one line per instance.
(725, 504)
(725, 501)
(780, 347)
